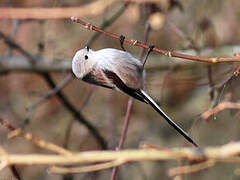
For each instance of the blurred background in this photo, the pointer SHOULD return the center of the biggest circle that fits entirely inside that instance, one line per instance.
(184, 89)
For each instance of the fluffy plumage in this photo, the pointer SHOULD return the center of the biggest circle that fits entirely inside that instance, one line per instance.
(119, 70)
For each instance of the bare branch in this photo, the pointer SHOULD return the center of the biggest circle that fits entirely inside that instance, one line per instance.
(91, 9)
(35, 140)
(107, 23)
(19, 63)
(191, 168)
(90, 168)
(163, 52)
(11, 43)
(51, 93)
(123, 135)
(77, 114)
(221, 107)
(228, 153)
(129, 107)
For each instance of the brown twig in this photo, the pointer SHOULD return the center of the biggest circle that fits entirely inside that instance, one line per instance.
(11, 43)
(90, 168)
(145, 36)
(50, 94)
(77, 114)
(91, 9)
(129, 107)
(107, 23)
(220, 107)
(183, 35)
(123, 134)
(15, 28)
(163, 52)
(228, 153)
(191, 168)
(69, 127)
(37, 141)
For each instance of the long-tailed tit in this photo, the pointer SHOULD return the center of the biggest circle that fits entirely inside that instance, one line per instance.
(118, 70)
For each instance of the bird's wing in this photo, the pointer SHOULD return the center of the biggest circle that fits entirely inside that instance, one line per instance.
(120, 85)
(97, 77)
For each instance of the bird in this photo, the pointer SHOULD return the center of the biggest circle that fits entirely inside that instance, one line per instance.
(118, 70)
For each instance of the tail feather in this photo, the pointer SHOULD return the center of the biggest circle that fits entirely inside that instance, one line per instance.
(165, 116)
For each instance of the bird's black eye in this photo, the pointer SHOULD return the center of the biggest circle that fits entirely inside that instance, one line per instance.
(86, 57)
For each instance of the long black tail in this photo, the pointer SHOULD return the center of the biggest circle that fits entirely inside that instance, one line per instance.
(165, 116)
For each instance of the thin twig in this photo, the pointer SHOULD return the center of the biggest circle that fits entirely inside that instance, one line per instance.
(123, 134)
(228, 153)
(13, 168)
(163, 52)
(191, 168)
(125, 125)
(183, 35)
(129, 107)
(220, 107)
(107, 23)
(50, 94)
(146, 33)
(11, 43)
(14, 34)
(69, 127)
(79, 117)
(90, 168)
(37, 141)
(91, 9)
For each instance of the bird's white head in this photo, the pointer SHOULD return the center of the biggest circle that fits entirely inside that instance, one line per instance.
(83, 62)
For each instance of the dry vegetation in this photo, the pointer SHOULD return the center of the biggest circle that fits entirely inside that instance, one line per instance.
(49, 119)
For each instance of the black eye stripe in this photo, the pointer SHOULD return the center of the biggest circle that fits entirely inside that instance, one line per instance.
(86, 57)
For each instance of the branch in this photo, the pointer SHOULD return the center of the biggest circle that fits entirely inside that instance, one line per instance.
(123, 136)
(78, 115)
(191, 168)
(21, 64)
(52, 92)
(49, 94)
(221, 107)
(14, 45)
(228, 153)
(163, 52)
(84, 169)
(91, 9)
(129, 108)
(37, 141)
(107, 23)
